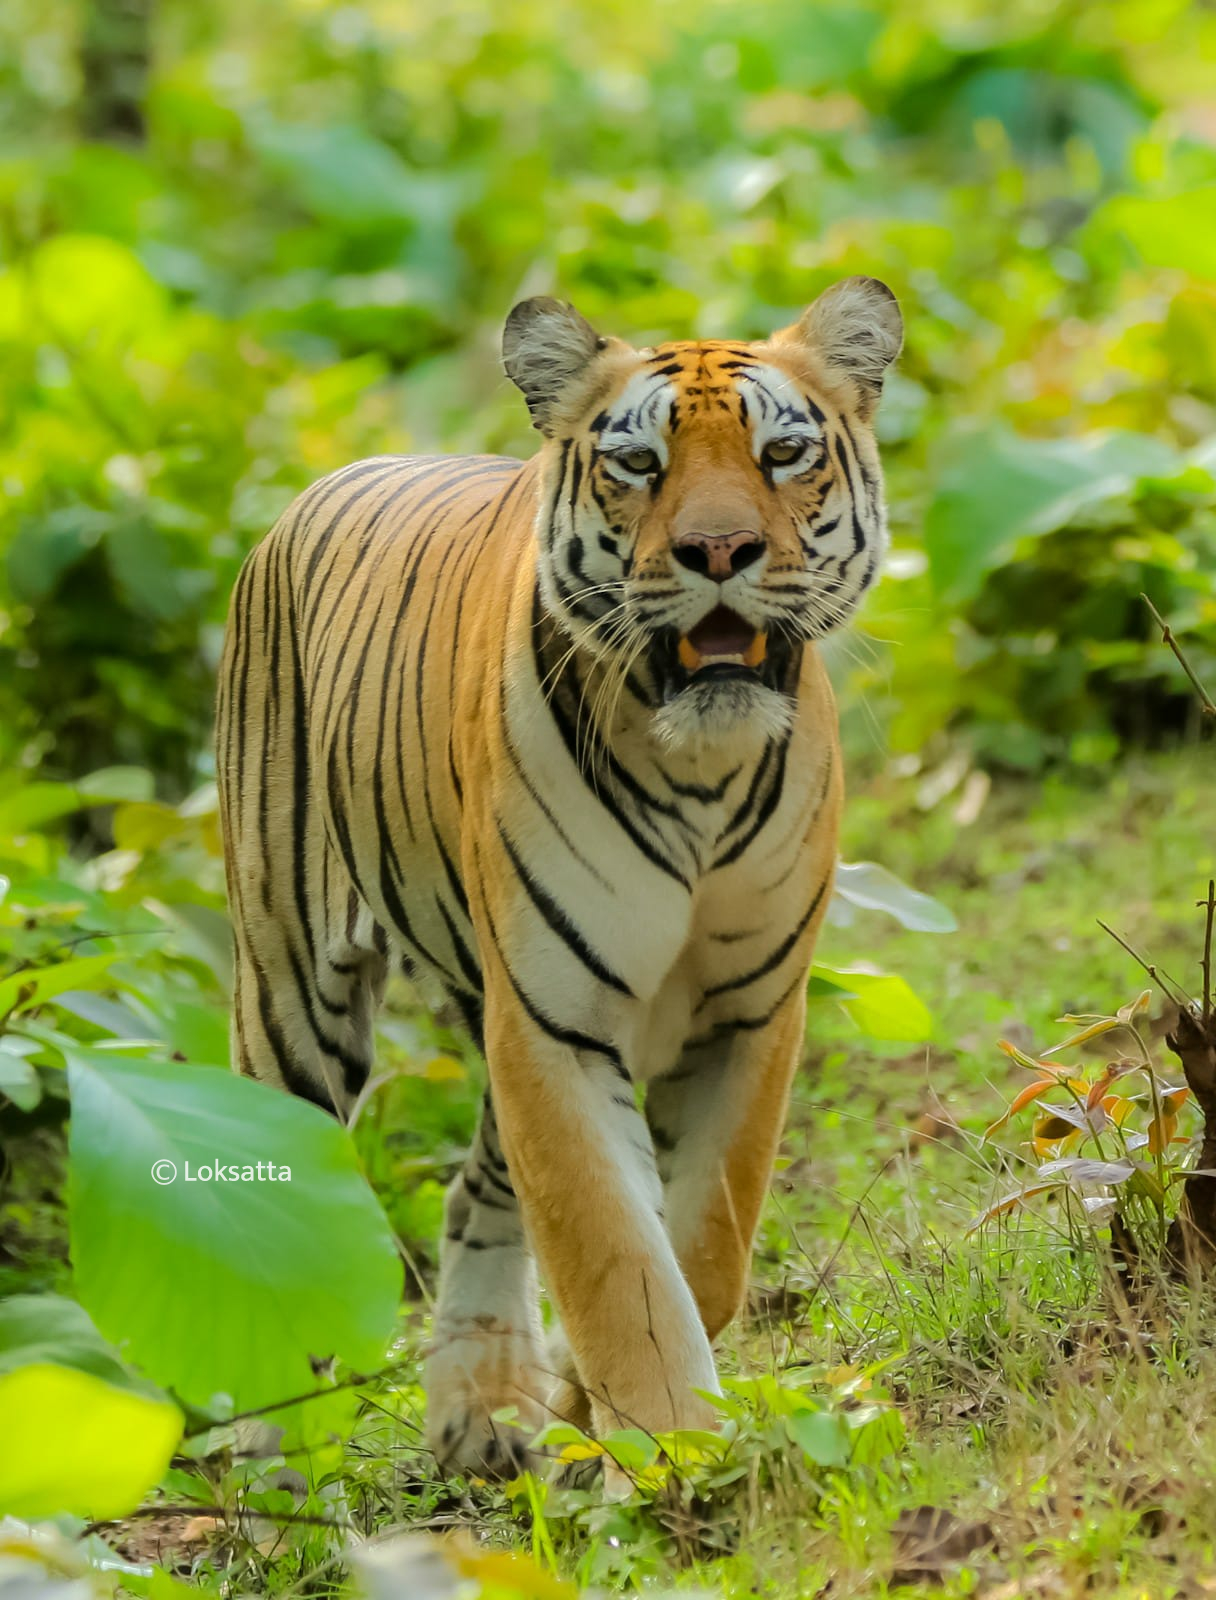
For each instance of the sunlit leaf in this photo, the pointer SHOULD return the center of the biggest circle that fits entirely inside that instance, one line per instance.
(1137, 1007)
(444, 1069)
(1161, 1131)
(1084, 1170)
(1094, 1030)
(24, 991)
(1173, 231)
(1031, 1092)
(81, 1434)
(881, 1004)
(1015, 1053)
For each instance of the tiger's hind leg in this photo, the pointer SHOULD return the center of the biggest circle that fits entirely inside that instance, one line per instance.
(310, 963)
(486, 1352)
(305, 993)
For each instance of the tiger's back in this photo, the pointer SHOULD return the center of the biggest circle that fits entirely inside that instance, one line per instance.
(341, 668)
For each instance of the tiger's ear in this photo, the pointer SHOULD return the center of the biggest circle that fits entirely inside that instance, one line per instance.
(856, 330)
(546, 346)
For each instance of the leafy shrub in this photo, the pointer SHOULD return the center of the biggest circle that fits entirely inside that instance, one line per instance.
(1039, 552)
(1107, 1141)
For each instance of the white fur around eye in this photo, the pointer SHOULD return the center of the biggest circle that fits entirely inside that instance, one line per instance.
(776, 410)
(810, 458)
(616, 468)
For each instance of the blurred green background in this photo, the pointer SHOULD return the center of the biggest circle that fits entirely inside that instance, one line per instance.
(244, 243)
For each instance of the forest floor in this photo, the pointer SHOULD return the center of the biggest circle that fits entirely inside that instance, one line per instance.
(1023, 1435)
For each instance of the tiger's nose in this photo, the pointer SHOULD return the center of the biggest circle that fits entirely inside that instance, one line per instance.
(718, 555)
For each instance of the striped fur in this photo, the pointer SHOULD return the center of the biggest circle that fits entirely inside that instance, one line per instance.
(455, 737)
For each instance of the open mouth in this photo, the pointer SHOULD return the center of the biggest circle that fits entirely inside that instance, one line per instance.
(722, 640)
(722, 649)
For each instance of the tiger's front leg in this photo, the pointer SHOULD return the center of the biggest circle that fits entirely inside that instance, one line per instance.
(716, 1121)
(583, 1166)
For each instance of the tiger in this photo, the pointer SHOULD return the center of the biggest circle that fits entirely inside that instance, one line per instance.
(553, 738)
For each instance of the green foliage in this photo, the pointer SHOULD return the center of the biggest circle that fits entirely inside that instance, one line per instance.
(805, 1439)
(232, 1291)
(1042, 550)
(82, 1433)
(306, 256)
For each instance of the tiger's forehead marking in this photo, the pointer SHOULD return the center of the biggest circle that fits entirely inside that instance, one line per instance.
(680, 380)
(705, 373)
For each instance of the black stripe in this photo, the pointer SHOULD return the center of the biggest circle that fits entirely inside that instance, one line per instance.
(735, 1025)
(771, 962)
(464, 956)
(766, 810)
(516, 761)
(744, 809)
(571, 1037)
(559, 920)
(570, 738)
(299, 1083)
(699, 791)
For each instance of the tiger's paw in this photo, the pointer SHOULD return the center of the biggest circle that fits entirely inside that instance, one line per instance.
(473, 1372)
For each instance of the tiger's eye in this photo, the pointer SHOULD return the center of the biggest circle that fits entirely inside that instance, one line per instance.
(640, 460)
(783, 452)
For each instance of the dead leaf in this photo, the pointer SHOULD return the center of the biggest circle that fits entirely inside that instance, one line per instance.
(1010, 1202)
(166, 1539)
(930, 1541)
(935, 1125)
(784, 1303)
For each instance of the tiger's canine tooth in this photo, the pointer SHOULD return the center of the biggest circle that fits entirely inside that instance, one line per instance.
(756, 651)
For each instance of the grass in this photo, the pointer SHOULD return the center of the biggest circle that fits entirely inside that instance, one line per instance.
(1015, 1432)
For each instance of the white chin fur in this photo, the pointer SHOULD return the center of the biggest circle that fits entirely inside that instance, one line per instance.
(710, 713)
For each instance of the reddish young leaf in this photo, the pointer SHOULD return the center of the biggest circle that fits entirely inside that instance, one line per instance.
(1032, 1091)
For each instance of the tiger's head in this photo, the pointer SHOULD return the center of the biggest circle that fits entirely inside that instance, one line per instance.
(708, 507)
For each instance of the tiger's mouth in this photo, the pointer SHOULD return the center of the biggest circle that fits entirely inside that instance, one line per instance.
(722, 639)
(722, 648)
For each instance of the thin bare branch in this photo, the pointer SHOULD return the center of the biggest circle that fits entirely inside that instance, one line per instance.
(1162, 980)
(1167, 638)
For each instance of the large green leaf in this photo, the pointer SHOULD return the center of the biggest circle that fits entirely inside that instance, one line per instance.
(80, 1433)
(36, 804)
(998, 488)
(880, 1003)
(223, 1287)
(823, 1437)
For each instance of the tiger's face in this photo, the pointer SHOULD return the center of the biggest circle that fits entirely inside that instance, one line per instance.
(709, 507)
